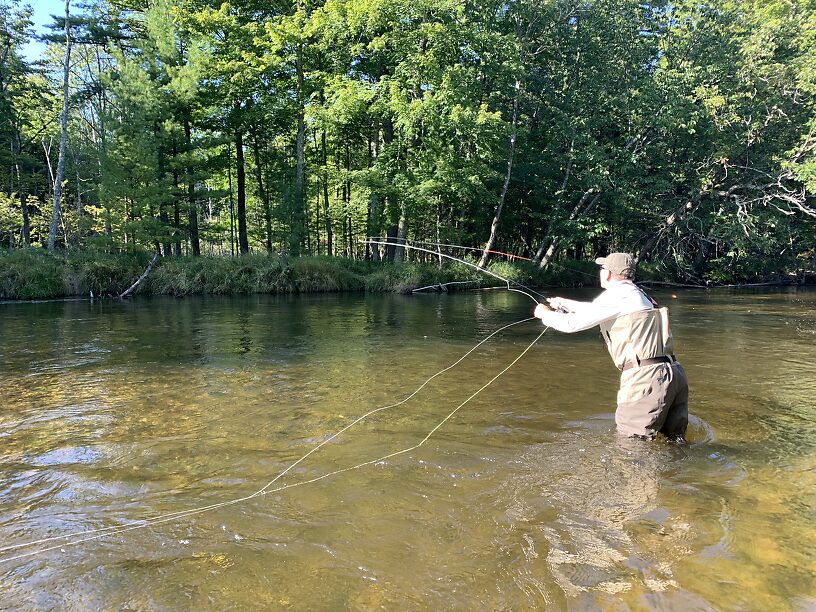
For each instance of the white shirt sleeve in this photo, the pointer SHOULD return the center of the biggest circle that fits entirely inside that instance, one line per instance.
(574, 305)
(619, 299)
(583, 318)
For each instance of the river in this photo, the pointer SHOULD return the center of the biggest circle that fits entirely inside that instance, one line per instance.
(114, 413)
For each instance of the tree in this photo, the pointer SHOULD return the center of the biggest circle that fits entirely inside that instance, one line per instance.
(17, 88)
(741, 125)
(55, 216)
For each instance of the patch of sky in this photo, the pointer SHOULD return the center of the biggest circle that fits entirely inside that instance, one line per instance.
(468, 54)
(43, 10)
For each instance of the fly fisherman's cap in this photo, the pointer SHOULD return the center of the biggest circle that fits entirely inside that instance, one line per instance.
(620, 264)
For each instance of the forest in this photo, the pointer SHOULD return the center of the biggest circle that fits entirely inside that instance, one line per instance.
(551, 130)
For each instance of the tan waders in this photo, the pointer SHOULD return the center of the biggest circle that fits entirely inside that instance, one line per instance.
(653, 395)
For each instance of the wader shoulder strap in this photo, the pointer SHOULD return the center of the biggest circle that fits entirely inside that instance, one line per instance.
(648, 297)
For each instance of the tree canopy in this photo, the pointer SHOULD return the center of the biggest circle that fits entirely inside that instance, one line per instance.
(684, 132)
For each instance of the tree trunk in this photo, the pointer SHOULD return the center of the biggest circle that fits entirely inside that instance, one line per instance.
(402, 230)
(176, 213)
(167, 247)
(101, 148)
(390, 230)
(231, 203)
(256, 148)
(243, 241)
(494, 226)
(373, 198)
(317, 223)
(327, 212)
(438, 235)
(25, 230)
(701, 259)
(581, 208)
(55, 216)
(296, 238)
(80, 211)
(347, 207)
(195, 246)
(390, 239)
(161, 158)
(344, 215)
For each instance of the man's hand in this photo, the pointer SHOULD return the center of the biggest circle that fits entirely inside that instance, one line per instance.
(540, 310)
(556, 304)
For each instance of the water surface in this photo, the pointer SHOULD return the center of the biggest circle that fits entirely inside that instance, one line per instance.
(117, 412)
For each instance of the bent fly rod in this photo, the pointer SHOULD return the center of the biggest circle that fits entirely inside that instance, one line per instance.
(507, 281)
(467, 248)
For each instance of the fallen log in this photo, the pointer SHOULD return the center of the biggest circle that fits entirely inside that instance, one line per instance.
(135, 285)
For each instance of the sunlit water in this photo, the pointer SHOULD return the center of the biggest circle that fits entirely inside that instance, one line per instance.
(526, 498)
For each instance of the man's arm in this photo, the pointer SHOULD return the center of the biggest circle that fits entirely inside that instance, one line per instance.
(560, 303)
(589, 315)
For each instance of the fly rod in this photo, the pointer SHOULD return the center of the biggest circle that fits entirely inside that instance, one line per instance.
(507, 281)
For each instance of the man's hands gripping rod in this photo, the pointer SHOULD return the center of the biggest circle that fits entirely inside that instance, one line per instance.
(554, 305)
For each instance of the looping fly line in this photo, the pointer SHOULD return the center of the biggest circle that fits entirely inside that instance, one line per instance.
(77, 538)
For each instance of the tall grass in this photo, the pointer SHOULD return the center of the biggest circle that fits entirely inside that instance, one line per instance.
(27, 274)
(34, 273)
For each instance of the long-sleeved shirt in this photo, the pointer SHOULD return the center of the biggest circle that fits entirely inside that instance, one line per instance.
(620, 298)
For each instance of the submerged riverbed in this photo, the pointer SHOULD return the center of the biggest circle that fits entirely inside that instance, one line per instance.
(112, 413)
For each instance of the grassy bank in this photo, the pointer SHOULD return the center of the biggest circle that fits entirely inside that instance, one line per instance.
(35, 274)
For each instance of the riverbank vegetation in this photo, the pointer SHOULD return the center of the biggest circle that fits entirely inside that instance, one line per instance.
(555, 131)
(35, 274)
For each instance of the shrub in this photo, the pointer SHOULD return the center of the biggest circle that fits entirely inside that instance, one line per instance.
(31, 274)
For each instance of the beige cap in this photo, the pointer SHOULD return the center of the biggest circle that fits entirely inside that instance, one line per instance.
(622, 264)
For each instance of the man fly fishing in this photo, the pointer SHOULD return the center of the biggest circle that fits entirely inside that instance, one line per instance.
(653, 394)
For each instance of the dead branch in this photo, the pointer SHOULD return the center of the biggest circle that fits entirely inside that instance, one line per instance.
(135, 285)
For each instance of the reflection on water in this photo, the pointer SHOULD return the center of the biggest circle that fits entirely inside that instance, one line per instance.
(116, 412)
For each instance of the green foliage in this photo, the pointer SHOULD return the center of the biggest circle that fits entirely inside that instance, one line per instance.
(403, 278)
(187, 275)
(251, 274)
(315, 274)
(683, 131)
(11, 219)
(104, 273)
(31, 274)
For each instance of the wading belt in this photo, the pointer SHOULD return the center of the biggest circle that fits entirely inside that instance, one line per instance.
(646, 362)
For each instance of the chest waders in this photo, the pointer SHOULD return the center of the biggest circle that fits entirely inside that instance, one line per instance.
(653, 394)
(639, 338)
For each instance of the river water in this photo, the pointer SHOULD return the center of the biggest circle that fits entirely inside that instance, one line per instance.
(113, 413)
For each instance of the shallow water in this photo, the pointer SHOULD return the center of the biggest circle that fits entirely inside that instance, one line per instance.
(117, 412)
